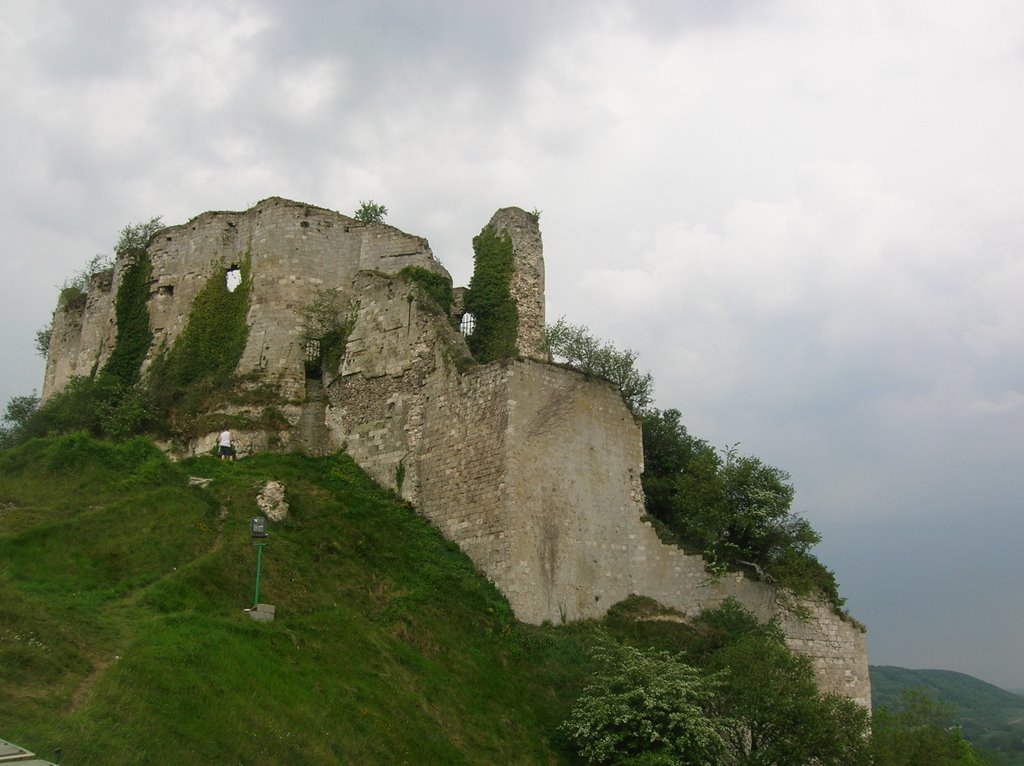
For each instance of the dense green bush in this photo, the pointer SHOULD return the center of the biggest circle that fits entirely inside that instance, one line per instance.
(736, 695)
(644, 704)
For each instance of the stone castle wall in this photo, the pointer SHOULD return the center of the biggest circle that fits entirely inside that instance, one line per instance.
(534, 471)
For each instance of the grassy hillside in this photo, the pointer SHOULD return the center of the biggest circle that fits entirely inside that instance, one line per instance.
(992, 718)
(123, 637)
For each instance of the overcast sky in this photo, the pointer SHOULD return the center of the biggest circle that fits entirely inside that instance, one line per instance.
(806, 217)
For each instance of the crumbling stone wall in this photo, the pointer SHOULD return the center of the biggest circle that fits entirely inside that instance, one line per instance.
(554, 512)
(396, 344)
(82, 337)
(534, 471)
(294, 249)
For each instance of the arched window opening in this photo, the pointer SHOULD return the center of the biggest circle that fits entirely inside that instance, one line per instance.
(234, 278)
(467, 324)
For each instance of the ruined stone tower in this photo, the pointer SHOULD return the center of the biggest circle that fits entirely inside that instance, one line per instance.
(527, 277)
(531, 468)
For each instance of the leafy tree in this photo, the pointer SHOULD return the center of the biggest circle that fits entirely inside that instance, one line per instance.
(768, 706)
(370, 212)
(771, 711)
(919, 731)
(43, 335)
(734, 509)
(644, 707)
(19, 412)
(575, 346)
(134, 238)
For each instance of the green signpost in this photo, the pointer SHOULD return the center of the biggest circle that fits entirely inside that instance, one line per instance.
(258, 529)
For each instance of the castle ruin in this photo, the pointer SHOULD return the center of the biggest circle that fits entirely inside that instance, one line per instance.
(531, 468)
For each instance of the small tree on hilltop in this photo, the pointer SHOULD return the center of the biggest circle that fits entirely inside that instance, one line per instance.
(370, 212)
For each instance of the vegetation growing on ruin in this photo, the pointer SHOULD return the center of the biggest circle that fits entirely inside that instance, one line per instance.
(733, 509)
(437, 287)
(199, 368)
(489, 298)
(132, 316)
(328, 323)
(75, 291)
(370, 212)
(575, 346)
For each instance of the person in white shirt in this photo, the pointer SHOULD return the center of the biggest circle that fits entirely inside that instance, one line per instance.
(224, 446)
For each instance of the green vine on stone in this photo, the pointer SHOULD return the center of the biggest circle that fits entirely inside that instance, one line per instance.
(489, 298)
(131, 311)
(438, 287)
(201, 364)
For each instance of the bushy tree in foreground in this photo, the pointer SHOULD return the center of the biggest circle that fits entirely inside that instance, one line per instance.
(644, 705)
(738, 697)
(575, 346)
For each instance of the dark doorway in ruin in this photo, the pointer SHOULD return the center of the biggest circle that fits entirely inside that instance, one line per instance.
(314, 359)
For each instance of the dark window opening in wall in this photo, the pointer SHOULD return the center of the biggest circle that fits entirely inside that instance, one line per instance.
(167, 290)
(233, 277)
(467, 324)
(314, 359)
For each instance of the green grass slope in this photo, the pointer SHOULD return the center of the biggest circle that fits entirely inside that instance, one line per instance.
(992, 718)
(123, 638)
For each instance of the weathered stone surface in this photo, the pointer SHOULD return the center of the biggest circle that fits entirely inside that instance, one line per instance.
(294, 248)
(262, 612)
(271, 501)
(527, 286)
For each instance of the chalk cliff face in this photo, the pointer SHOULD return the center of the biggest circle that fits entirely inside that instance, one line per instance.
(533, 469)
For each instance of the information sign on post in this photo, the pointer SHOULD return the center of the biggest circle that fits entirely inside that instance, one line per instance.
(258, 529)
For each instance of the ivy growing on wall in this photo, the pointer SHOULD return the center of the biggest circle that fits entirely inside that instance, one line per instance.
(438, 287)
(211, 345)
(132, 316)
(200, 366)
(489, 298)
(328, 323)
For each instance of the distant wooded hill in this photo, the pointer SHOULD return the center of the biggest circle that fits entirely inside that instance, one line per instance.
(992, 718)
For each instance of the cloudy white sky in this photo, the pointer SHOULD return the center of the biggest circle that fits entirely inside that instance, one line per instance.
(806, 217)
